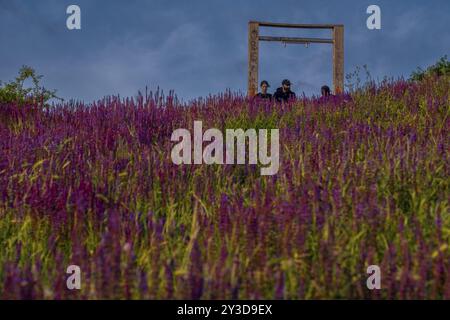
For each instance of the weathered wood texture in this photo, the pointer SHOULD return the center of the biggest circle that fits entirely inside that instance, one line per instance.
(293, 25)
(253, 57)
(295, 40)
(338, 59)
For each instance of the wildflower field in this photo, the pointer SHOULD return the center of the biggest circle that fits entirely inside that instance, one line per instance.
(362, 181)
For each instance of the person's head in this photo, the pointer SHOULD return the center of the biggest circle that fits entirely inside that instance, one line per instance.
(286, 84)
(325, 91)
(264, 86)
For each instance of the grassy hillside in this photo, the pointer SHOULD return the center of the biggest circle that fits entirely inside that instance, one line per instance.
(362, 181)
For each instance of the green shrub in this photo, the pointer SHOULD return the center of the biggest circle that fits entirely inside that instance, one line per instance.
(440, 68)
(14, 91)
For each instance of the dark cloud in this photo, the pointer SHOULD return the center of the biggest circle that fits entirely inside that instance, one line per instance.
(199, 47)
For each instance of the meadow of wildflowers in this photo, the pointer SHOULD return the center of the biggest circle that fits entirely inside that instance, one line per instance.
(362, 181)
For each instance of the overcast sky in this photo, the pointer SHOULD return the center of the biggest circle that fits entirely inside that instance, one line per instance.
(198, 47)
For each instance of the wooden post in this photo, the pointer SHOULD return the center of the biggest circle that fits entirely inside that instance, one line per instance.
(253, 57)
(338, 58)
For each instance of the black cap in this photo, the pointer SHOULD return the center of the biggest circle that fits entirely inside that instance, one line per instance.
(286, 81)
(264, 82)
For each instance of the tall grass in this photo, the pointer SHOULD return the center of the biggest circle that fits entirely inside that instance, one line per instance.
(362, 181)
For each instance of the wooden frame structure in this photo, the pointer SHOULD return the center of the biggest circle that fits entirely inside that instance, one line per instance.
(337, 41)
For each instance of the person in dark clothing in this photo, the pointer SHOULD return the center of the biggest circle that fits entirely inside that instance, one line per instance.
(327, 96)
(325, 90)
(284, 92)
(264, 94)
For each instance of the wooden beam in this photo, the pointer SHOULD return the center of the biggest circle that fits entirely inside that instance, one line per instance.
(338, 59)
(298, 26)
(295, 40)
(253, 57)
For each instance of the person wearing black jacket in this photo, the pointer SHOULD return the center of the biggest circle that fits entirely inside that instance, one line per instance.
(284, 92)
(325, 90)
(264, 94)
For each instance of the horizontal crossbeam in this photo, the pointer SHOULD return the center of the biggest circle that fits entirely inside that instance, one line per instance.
(300, 26)
(295, 40)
